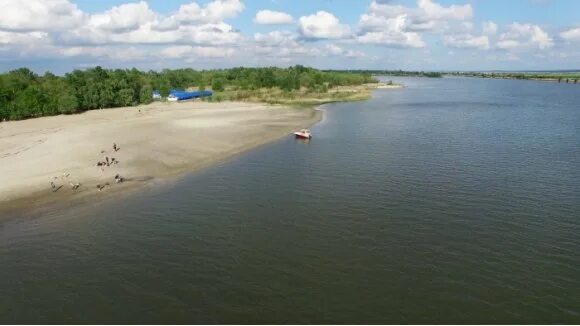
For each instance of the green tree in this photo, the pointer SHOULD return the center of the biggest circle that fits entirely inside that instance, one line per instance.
(217, 85)
(146, 95)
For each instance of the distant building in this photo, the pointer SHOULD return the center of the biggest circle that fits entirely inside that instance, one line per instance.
(180, 95)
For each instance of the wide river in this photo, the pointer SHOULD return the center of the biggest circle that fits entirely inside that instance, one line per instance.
(452, 200)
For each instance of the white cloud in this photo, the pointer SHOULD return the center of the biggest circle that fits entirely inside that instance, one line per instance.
(199, 29)
(404, 40)
(12, 38)
(39, 15)
(435, 11)
(119, 54)
(322, 25)
(508, 44)
(269, 17)
(125, 17)
(489, 28)
(211, 34)
(467, 41)
(136, 23)
(280, 44)
(399, 26)
(427, 16)
(524, 36)
(277, 38)
(190, 52)
(389, 32)
(333, 49)
(354, 54)
(214, 11)
(571, 34)
(287, 44)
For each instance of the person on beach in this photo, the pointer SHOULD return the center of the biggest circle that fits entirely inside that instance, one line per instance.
(107, 158)
(101, 187)
(119, 179)
(115, 148)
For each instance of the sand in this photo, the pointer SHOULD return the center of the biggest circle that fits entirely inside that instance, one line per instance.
(156, 141)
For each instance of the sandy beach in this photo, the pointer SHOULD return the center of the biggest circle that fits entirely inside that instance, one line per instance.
(38, 156)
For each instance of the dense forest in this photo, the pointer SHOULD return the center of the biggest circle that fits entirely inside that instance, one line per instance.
(399, 73)
(24, 94)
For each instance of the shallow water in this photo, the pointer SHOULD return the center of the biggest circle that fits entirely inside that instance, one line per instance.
(452, 200)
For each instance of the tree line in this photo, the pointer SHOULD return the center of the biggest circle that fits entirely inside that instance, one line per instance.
(566, 77)
(399, 73)
(24, 94)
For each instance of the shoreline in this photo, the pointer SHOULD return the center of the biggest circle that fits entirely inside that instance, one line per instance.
(157, 142)
(547, 80)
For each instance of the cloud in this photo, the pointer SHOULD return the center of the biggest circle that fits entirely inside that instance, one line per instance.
(136, 23)
(388, 32)
(354, 54)
(118, 54)
(393, 25)
(269, 17)
(280, 44)
(39, 15)
(434, 11)
(427, 16)
(208, 34)
(287, 44)
(467, 41)
(200, 29)
(333, 49)
(571, 34)
(521, 36)
(489, 28)
(12, 38)
(214, 11)
(190, 52)
(322, 25)
(277, 38)
(125, 17)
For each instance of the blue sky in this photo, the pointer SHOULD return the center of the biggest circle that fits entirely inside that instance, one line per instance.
(61, 35)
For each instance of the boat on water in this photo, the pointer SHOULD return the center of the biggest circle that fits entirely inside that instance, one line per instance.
(303, 134)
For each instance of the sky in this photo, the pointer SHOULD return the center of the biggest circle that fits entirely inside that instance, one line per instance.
(62, 35)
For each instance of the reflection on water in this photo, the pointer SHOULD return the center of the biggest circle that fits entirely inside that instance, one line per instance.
(303, 140)
(450, 201)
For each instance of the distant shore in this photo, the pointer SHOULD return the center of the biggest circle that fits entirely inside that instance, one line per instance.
(551, 78)
(41, 160)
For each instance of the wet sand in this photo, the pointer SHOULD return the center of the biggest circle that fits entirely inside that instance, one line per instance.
(156, 141)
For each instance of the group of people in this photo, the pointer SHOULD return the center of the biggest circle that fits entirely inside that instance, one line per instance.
(75, 185)
(65, 178)
(109, 162)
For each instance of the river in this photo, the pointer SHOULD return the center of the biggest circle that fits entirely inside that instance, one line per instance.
(453, 200)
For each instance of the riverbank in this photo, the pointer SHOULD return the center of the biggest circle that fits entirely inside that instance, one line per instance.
(303, 96)
(571, 78)
(42, 160)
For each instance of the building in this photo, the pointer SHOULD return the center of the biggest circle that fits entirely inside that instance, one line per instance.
(181, 95)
